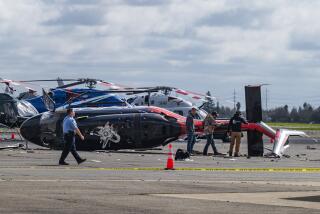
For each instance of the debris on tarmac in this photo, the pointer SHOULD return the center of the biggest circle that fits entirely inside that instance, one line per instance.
(16, 146)
(96, 161)
(311, 148)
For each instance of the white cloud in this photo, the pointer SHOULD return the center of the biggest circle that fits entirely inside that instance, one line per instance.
(193, 44)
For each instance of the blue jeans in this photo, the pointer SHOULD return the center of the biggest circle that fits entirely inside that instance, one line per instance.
(191, 142)
(210, 141)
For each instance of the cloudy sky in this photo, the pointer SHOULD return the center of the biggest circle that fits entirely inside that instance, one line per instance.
(200, 45)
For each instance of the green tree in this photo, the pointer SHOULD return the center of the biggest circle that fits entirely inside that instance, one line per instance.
(209, 104)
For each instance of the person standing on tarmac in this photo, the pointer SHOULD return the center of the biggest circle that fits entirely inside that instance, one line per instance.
(191, 130)
(235, 126)
(209, 126)
(70, 128)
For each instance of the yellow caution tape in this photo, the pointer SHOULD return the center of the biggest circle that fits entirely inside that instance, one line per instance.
(294, 170)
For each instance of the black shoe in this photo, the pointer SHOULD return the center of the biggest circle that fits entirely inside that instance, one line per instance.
(236, 155)
(230, 154)
(81, 161)
(218, 153)
(63, 163)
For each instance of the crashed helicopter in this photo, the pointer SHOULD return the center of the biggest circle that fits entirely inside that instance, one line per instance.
(110, 128)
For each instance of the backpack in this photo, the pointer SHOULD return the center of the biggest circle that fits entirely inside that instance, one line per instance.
(181, 155)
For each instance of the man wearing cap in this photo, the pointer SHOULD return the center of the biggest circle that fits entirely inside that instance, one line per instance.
(209, 126)
(235, 127)
(70, 128)
(190, 130)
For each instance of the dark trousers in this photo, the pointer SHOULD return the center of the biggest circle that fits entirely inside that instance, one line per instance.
(210, 141)
(191, 142)
(69, 146)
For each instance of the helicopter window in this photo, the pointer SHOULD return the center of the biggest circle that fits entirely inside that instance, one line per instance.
(178, 112)
(8, 110)
(25, 109)
(146, 99)
(172, 98)
(202, 114)
(197, 117)
(163, 103)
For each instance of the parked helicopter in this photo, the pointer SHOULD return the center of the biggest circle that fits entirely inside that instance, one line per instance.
(64, 95)
(164, 97)
(13, 111)
(110, 128)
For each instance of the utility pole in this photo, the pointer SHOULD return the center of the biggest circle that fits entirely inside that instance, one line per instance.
(234, 99)
(266, 99)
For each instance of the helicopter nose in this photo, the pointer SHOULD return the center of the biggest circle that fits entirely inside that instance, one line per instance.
(30, 129)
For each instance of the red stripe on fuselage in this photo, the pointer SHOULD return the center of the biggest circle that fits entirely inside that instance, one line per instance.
(181, 120)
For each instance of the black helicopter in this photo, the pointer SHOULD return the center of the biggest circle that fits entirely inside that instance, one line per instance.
(109, 128)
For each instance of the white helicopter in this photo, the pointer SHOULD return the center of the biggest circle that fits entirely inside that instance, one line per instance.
(165, 98)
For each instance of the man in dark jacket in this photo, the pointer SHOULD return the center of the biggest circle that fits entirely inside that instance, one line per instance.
(235, 126)
(190, 130)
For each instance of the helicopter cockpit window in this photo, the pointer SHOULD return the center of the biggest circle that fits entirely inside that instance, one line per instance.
(178, 112)
(25, 109)
(197, 116)
(8, 113)
(203, 114)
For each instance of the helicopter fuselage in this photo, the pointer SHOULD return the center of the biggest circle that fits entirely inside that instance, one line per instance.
(109, 128)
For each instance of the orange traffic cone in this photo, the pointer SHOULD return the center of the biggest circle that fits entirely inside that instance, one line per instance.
(170, 161)
(12, 136)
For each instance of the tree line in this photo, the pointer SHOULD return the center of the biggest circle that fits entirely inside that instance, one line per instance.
(302, 114)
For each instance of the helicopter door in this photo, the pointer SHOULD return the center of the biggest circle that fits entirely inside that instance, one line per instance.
(8, 114)
(48, 102)
(146, 99)
(137, 133)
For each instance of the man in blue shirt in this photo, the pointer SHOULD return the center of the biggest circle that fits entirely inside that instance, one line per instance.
(70, 128)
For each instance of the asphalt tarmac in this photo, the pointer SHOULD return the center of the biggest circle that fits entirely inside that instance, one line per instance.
(135, 182)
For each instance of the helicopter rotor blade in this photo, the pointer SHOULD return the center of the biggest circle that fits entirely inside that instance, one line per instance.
(71, 84)
(47, 80)
(115, 86)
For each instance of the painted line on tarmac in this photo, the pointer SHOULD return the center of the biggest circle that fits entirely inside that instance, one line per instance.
(294, 170)
(54, 167)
